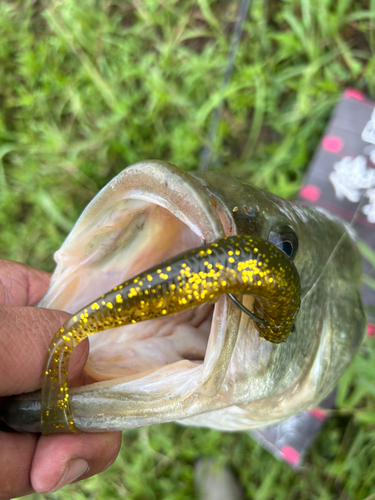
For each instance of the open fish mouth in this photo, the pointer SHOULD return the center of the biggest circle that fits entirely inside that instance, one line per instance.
(143, 235)
(150, 212)
(147, 214)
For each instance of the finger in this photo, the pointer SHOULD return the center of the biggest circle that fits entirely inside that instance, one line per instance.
(63, 459)
(21, 285)
(16, 456)
(25, 333)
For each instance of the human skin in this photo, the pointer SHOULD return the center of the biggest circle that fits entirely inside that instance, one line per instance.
(30, 462)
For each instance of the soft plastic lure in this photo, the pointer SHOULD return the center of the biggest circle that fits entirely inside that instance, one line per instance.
(237, 264)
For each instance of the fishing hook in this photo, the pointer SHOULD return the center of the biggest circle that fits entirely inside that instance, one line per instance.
(246, 310)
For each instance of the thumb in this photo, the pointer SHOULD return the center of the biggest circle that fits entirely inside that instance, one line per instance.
(25, 334)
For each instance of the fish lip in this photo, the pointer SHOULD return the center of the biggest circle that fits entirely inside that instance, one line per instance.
(155, 181)
(22, 412)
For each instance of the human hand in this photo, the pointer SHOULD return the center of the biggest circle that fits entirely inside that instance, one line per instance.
(31, 462)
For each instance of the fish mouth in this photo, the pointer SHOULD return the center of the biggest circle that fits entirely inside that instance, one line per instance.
(150, 212)
(155, 234)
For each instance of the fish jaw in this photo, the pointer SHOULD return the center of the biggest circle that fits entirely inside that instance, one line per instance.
(137, 199)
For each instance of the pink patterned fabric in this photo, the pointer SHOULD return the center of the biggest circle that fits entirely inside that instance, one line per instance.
(354, 94)
(332, 143)
(319, 414)
(290, 455)
(310, 192)
(370, 330)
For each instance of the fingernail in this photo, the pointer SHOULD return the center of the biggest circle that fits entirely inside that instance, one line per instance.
(74, 470)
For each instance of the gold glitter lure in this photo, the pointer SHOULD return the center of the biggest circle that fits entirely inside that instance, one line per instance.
(237, 264)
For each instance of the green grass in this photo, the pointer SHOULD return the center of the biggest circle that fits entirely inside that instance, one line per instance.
(89, 87)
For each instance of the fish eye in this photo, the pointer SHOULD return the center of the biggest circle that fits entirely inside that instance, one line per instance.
(285, 239)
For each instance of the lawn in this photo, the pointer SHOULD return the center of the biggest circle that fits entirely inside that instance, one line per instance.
(89, 87)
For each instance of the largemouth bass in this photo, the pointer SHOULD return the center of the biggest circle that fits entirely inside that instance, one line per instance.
(210, 365)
